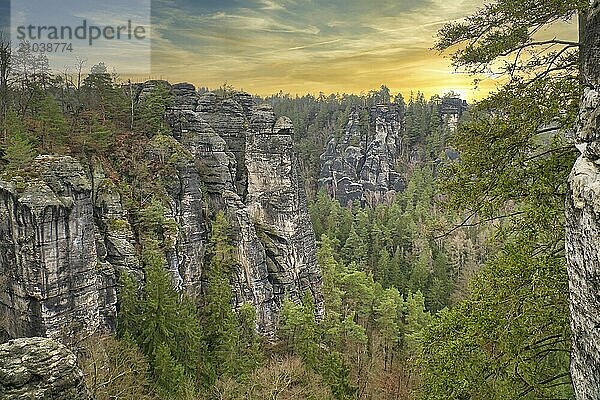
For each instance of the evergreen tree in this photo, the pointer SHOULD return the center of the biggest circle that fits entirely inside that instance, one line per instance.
(511, 171)
(220, 323)
(387, 317)
(19, 151)
(130, 311)
(168, 318)
(51, 126)
(169, 375)
(163, 323)
(151, 113)
(104, 96)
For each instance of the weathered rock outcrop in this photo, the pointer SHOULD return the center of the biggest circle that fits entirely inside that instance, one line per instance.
(49, 283)
(360, 166)
(39, 368)
(115, 244)
(245, 159)
(277, 203)
(175, 166)
(583, 223)
(65, 235)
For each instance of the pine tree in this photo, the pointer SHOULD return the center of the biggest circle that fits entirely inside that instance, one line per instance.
(19, 148)
(249, 342)
(151, 113)
(163, 323)
(220, 324)
(51, 125)
(19, 151)
(129, 313)
(417, 318)
(387, 318)
(169, 375)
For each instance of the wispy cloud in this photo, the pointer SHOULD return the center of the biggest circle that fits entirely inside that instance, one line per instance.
(307, 45)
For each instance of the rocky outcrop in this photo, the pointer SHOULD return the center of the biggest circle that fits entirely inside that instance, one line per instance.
(360, 166)
(245, 159)
(39, 368)
(277, 203)
(115, 244)
(48, 262)
(65, 236)
(583, 223)
(175, 167)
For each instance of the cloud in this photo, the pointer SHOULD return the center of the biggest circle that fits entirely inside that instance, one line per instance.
(302, 46)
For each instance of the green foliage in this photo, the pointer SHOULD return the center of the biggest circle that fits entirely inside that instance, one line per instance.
(99, 79)
(150, 116)
(336, 373)
(163, 323)
(104, 96)
(510, 337)
(382, 274)
(51, 126)
(393, 243)
(231, 347)
(19, 151)
(169, 318)
(170, 377)
(251, 355)
(129, 315)
(502, 36)
(518, 302)
(300, 332)
(519, 175)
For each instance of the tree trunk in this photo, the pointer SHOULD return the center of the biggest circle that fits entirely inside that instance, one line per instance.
(583, 220)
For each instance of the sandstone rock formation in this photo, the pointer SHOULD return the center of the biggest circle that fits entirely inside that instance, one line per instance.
(65, 235)
(583, 223)
(246, 162)
(277, 204)
(48, 262)
(360, 166)
(39, 368)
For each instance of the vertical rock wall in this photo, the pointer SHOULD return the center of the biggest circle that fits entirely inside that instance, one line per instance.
(246, 160)
(360, 166)
(65, 235)
(48, 261)
(277, 203)
(583, 223)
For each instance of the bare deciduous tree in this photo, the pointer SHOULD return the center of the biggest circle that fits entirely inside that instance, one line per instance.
(5, 66)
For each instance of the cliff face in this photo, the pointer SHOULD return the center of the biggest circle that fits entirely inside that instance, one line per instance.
(360, 166)
(48, 262)
(65, 235)
(583, 223)
(245, 159)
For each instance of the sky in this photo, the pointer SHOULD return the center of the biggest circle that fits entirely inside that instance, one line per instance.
(308, 46)
(294, 46)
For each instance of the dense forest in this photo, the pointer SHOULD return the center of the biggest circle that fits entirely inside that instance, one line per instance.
(454, 289)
